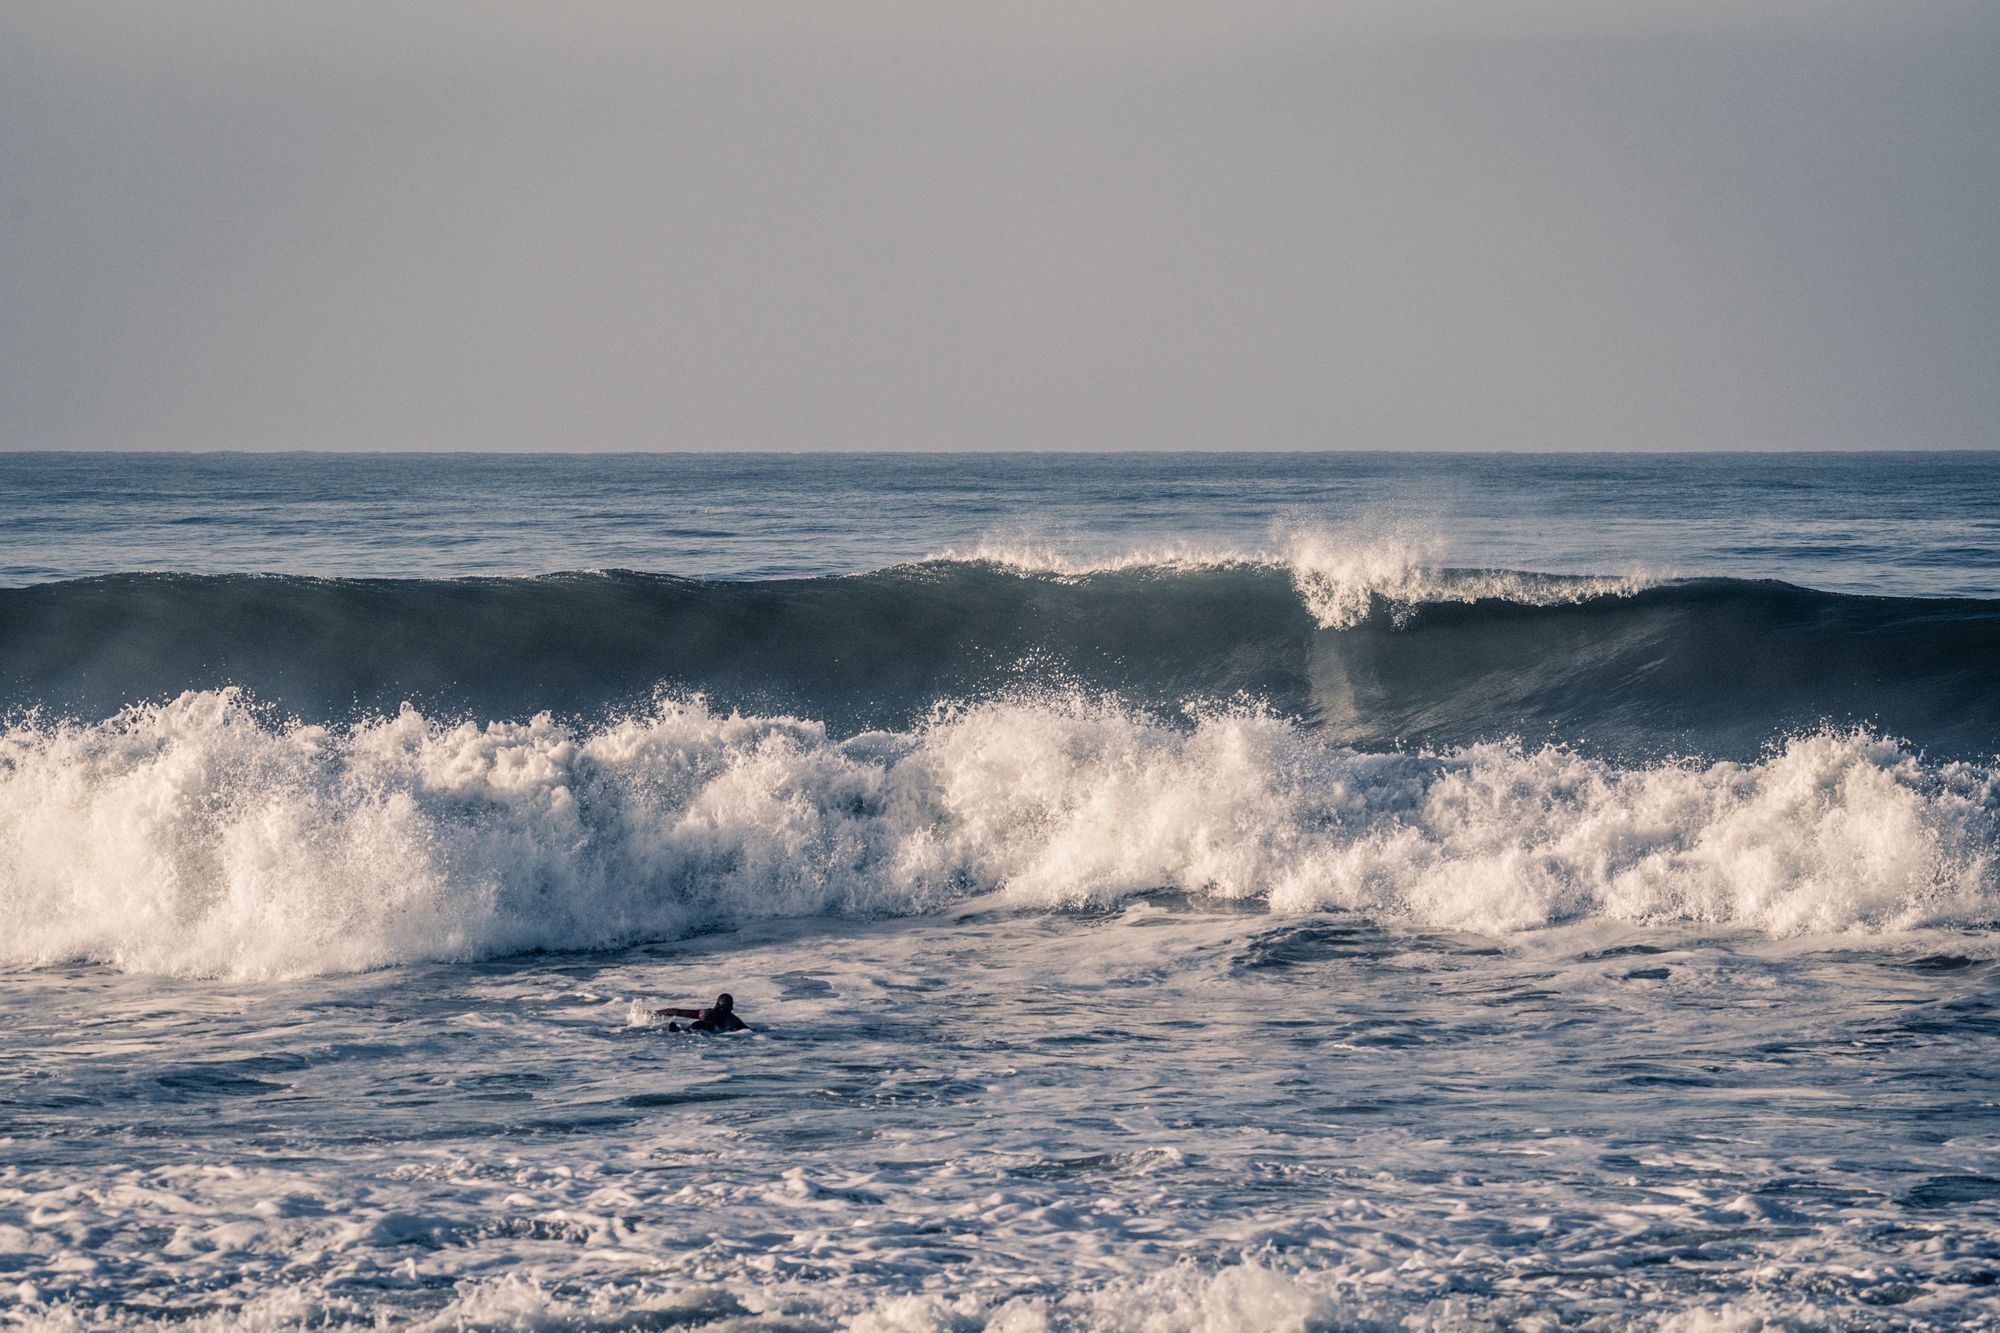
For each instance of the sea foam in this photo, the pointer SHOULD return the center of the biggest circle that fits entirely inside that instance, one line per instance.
(203, 837)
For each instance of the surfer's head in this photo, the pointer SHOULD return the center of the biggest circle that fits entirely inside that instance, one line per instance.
(723, 1004)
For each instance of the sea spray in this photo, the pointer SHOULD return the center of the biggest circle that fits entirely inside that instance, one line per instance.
(203, 836)
(1342, 574)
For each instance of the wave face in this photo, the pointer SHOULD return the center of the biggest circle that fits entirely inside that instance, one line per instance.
(280, 776)
(202, 837)
(1367, 654)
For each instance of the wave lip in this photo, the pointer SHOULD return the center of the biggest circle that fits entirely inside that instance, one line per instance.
(1342, 578)
(202, 837)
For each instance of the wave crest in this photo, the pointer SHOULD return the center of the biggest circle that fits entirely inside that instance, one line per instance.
(201, 837)
(1341, 575)
(1715, 667)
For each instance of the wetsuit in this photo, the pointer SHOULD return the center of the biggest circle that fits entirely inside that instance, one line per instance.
(721, 1017)
(718, 1020)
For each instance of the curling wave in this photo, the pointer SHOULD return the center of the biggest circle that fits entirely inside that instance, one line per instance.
(203, 837)
(1381, 658)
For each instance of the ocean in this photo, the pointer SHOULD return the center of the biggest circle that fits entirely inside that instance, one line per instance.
(1167, 892)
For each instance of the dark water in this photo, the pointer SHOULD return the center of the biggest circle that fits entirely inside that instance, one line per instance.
(1711, 667)
(1384, 600)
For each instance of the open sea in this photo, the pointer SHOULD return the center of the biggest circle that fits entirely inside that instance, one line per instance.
(1168, 892)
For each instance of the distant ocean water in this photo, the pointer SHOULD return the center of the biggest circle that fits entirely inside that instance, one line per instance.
(1171, 891)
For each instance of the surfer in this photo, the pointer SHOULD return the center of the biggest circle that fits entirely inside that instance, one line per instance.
(718, 1017)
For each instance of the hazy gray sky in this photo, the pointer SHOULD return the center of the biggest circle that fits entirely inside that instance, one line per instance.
(756, 224)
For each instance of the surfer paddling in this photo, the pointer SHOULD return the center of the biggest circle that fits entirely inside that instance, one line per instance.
(718, 1017)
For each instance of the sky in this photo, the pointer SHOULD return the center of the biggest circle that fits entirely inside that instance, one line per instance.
(1135, 224)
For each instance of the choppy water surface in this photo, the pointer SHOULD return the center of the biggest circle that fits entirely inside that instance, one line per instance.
(1158, 1116)
(1169, 893)
(1921, 524)
(1143, 1117)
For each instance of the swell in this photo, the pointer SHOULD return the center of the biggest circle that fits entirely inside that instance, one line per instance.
(1714, 667)
(1719, 668)
(205, 837)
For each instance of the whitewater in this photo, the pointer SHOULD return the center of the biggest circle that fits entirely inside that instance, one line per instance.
(1167, 892)
(192, 838)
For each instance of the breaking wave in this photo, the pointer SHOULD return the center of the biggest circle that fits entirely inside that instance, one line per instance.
(204, 836)
(1387, 654)
(1342, 579)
